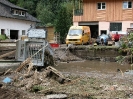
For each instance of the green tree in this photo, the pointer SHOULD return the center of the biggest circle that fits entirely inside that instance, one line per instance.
(69, 9)
(44, 14)
(30, 5)
(13, 1)
(45, 10)
(62, 23)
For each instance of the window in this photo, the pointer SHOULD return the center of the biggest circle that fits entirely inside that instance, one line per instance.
(23, 32)
(103, 32)
(115, 26)
(18, 12)
(127, 4)
(101, 5)
(15, 12)
(2, 31)
(21, 13)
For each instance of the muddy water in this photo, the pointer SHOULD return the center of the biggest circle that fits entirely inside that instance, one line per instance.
(90, 66)
(6, 66)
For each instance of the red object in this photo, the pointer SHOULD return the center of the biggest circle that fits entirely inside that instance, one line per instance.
(116, 36)
(113, 36)
(54, 45)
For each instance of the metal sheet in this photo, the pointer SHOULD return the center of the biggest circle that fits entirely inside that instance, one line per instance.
(37, 33)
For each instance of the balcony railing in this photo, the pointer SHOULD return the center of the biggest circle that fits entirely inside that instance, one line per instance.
(78, 12)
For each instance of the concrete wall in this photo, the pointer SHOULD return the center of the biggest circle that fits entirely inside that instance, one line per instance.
(106, 26)
(14, 24)
(126, 24)
(75, 23)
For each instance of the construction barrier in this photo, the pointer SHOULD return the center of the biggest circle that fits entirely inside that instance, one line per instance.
(54, 45)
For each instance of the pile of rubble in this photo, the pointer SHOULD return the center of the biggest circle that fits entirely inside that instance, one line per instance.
(52, 83)
(27, 78)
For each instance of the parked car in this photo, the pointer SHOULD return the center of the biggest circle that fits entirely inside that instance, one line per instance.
(78, 35)
(102, 39)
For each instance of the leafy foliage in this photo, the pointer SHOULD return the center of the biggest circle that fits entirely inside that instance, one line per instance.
(56, 13)
(63, 21)
(44, 10)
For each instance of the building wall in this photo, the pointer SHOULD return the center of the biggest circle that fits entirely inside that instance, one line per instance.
(125, 25)
(75, 23)
(106, 26)
(14, 24)
(51, 35)
(113, 12)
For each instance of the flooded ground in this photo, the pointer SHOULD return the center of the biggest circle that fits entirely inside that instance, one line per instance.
(80, 67)
(84, 67)
(89, 80)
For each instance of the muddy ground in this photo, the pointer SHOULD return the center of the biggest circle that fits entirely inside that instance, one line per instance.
(92, 85)
(82, 85)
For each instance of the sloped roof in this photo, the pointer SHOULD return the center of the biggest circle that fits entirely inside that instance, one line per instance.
(7, 3)
(4, 12)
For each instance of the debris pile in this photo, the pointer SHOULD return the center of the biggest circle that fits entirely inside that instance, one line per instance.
(28, 78)
(50, 82)
(64, 55)
(10, 94)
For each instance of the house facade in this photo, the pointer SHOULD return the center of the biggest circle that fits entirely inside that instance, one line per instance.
(15, 21)
(104, 16)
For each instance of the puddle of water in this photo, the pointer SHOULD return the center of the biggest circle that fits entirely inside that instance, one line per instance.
(89, 66)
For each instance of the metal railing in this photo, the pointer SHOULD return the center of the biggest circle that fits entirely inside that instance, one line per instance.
(78, 12)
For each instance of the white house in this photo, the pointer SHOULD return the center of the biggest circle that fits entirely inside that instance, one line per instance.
(14, 21)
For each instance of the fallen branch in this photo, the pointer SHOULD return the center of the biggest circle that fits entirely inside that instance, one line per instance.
(6, 72)
(7, 54)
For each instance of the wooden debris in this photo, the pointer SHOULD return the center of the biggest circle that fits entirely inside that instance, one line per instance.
(6, 72)
(7, 54)
(28, 75)
(57, 96)
(23, 64)
(35, 76)
(30, 67)
(56, 75)
(110, 43)
(29, 85)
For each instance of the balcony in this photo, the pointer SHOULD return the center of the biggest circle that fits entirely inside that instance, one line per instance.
(78, 12)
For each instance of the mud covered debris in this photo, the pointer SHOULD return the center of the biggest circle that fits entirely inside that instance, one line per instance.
(80, 85)
(93, 86)
(11, 94)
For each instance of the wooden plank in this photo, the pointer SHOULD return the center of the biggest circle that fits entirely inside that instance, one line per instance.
(7, 54)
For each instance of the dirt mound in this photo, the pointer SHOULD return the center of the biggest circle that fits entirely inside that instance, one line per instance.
(11, 94)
